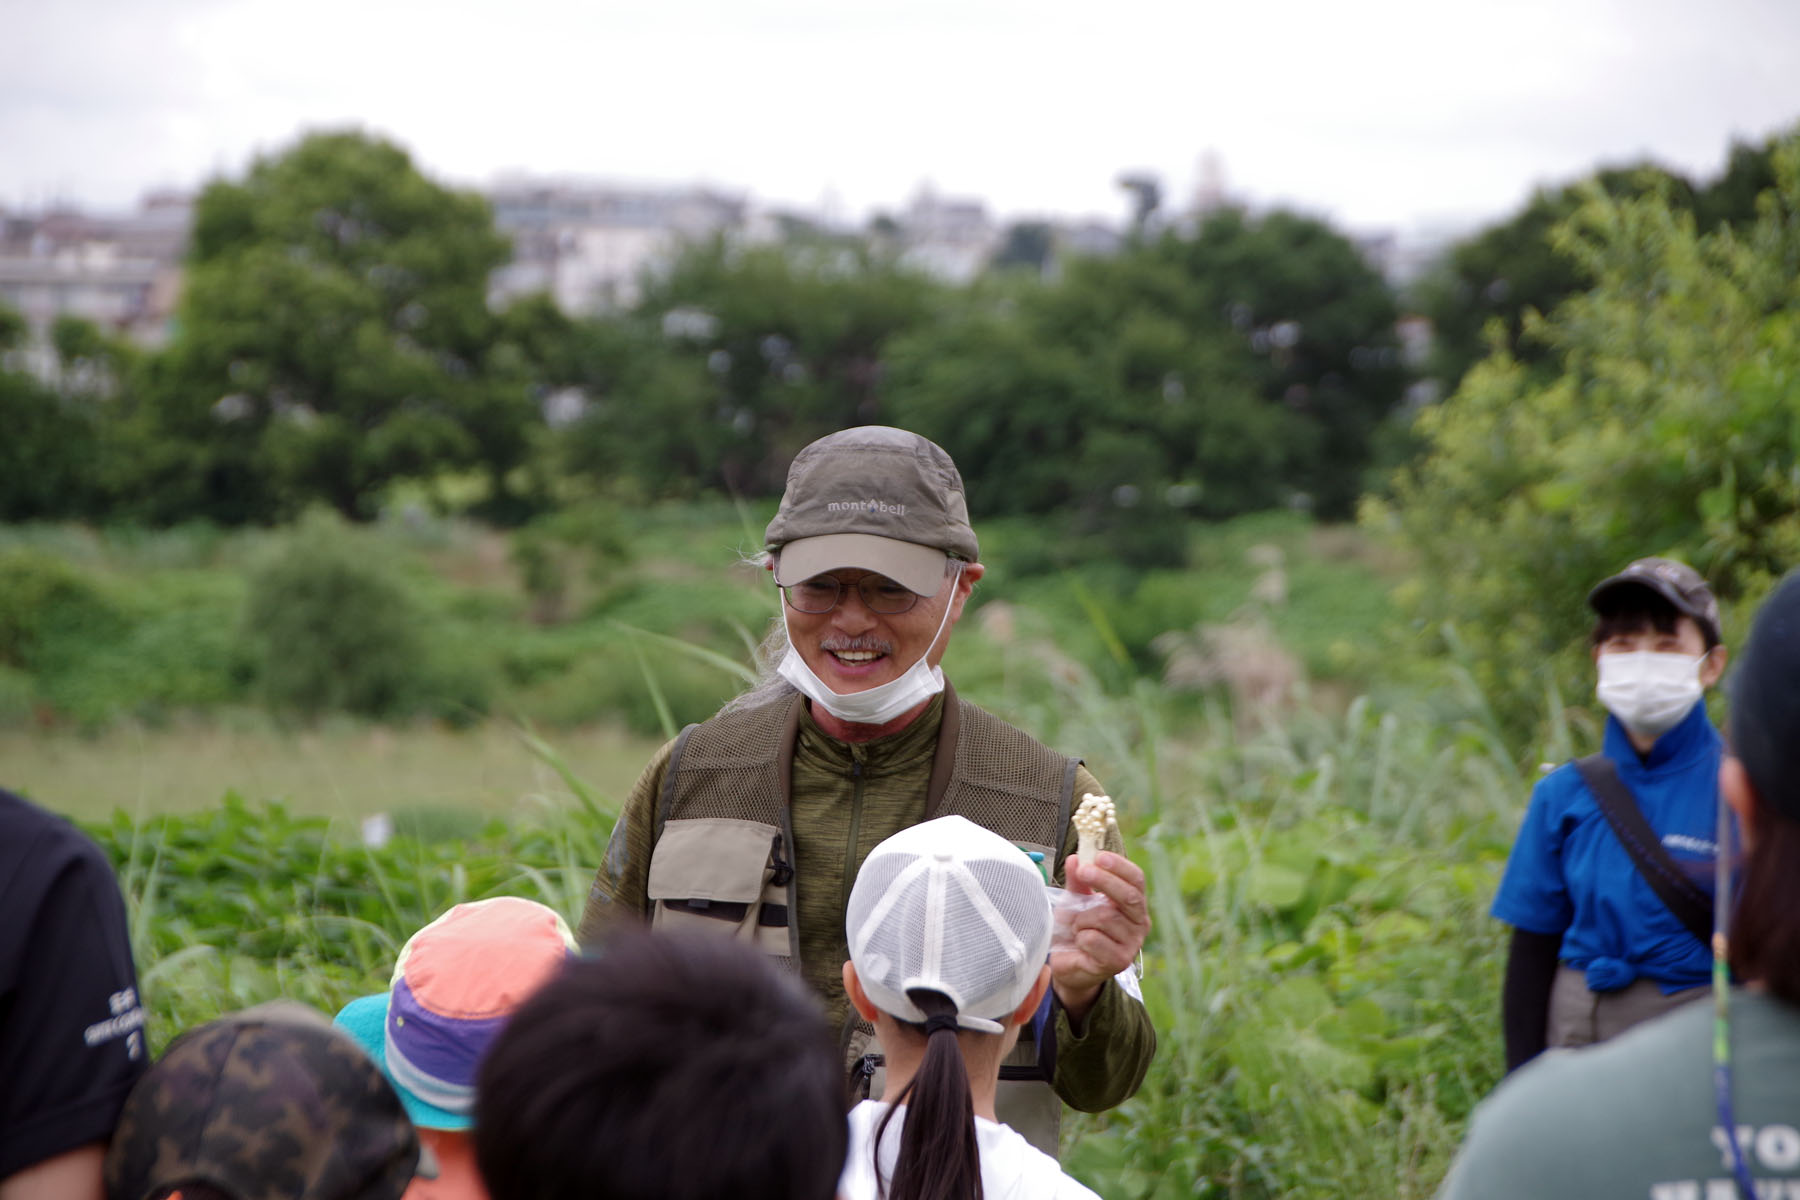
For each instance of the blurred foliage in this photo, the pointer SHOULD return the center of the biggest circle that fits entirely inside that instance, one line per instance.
(756, 351)
(1663, 423)
(333, 628)
(62, 451)
(334, 336)
(334, 342)
(1512, 268)
(1321, 972)
(43, 597)
(242, 903)
(559, 552)
(590, 613)
(1237, 367)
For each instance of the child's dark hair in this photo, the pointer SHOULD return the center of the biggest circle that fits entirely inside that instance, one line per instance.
(670, 1067)
(939, 1157)
(1765, 925)
(1635, 609)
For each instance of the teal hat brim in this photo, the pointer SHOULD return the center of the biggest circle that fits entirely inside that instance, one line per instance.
(365, 1019)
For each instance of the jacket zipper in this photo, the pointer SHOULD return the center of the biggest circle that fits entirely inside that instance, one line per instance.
(856, 799)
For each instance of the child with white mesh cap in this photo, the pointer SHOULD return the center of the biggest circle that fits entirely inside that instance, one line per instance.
(949, 932)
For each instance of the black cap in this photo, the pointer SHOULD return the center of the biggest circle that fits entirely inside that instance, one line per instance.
(1675, 582)
(1765, 704)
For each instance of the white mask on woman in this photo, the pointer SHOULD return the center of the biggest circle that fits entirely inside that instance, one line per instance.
(1649, 692)
(882, 703)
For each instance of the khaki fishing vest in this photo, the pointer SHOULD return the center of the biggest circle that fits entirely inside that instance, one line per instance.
(723, 857)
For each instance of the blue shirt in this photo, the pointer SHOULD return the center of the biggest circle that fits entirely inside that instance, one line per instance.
(1568, 873)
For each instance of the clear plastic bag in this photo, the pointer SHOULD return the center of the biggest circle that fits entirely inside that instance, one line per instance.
(1064, 905)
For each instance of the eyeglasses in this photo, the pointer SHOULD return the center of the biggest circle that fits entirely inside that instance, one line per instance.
(822, 593)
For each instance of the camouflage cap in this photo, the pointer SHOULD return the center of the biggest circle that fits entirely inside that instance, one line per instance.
(1676, 582)
(271, 1103)
(877, 498)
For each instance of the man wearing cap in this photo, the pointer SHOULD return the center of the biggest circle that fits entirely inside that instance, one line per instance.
(1599, 942)
(754, 823)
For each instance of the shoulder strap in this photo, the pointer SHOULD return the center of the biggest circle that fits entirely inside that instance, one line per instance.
(666, 801)
(1620, 807)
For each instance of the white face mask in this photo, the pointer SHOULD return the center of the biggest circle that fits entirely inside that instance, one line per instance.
(880, 704)
(1650, 693)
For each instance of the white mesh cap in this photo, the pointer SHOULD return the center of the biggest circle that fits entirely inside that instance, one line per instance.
(953, 907)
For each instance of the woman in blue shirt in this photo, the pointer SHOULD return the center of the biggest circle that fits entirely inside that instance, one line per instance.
(1594, 949)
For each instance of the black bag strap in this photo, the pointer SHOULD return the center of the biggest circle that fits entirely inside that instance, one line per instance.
(1679, 894)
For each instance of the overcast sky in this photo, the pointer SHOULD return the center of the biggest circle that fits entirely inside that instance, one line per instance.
(1412, 115)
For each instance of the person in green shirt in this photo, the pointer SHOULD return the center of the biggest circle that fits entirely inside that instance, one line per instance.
(755, 822)
(1640, 1115)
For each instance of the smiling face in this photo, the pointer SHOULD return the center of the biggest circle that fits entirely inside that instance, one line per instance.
(853, 648)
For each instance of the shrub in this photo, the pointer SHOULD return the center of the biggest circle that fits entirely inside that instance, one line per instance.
(1663, 423)
(44, 603)
(331, 627)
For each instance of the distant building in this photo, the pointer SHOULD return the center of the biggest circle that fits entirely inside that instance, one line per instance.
(123, 273)
(951, 239)
(588, 245)
(1092, 238)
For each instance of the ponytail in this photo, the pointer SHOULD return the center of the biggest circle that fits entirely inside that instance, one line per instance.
(939, 1157)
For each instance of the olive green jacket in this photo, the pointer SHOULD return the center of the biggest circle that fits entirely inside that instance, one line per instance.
(847, 798)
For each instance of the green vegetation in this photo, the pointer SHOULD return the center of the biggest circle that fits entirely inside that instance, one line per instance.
(334, 343)
(1664, 423)
(1237, 367)
(1486, 286)
(1322, 972)
(338, 561)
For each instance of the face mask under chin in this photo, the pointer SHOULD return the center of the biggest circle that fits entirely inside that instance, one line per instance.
(877, 705)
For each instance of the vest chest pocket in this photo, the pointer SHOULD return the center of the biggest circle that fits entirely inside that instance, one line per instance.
(724, 876)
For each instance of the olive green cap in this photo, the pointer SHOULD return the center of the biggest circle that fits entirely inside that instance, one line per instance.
(874, 498)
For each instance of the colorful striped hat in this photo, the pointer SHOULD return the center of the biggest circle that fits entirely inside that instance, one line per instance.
(455, 984)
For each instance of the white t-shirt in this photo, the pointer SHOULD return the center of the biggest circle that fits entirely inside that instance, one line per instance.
(1011, 1167)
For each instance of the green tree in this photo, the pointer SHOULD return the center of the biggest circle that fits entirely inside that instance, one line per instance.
(1731, 198)
(1027, 244)
(1511, 268)
(790, 338)
(334, 336)
(1239, 366)
(64, 439)
(1664, 424)
(330, 627)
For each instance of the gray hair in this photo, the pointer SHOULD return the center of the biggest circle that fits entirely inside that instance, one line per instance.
(768, 686)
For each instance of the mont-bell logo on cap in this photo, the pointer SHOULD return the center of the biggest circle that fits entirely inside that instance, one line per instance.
(872, 507)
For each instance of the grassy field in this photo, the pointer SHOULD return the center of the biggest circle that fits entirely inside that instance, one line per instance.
(1322, 973)
(339, 769)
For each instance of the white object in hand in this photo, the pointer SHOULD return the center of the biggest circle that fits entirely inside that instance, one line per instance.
(1092, 819)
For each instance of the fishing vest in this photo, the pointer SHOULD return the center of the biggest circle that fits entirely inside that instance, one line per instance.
(723, 854)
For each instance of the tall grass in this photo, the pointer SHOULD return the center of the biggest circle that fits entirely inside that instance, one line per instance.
(245, 903)
(1321, 973)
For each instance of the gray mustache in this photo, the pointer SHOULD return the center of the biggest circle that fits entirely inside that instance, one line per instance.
(857, 643)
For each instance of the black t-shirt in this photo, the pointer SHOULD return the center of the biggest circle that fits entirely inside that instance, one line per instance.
(71, 1028)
